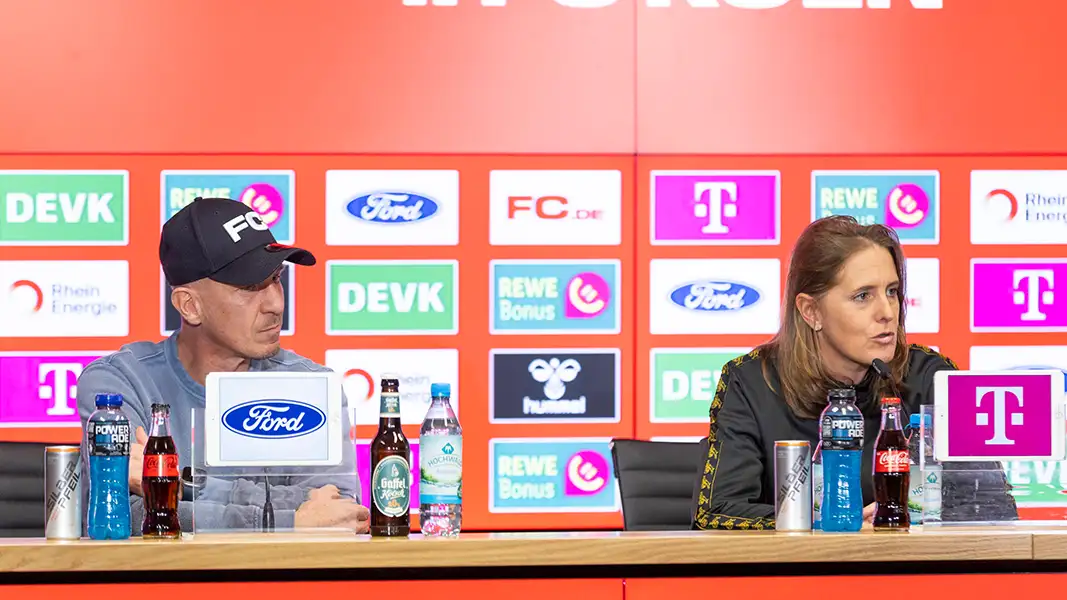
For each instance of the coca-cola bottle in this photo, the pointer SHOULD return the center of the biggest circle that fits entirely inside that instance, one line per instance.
(892, 471)
(159, 479)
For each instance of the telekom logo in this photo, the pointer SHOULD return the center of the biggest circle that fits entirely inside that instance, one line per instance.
(747, 4)
(1000, 412)
(1031, 296)
(721, 203)
(63, 388)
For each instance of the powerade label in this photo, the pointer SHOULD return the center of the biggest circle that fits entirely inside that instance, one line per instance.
(842, 432)
(441, 469)
(108, 438)
(160, 465)
(391, 486)
(390, 404)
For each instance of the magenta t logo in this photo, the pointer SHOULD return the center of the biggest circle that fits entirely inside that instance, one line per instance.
(715, 207)
(1004, 416)
(40, 388)
(1018, 295)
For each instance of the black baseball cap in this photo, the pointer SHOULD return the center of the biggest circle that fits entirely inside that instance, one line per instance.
(224, 240)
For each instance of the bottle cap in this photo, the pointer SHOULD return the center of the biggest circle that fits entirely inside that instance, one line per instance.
(158, 407)
(440, 389)
(842, 393)
(891, 401)
(915, 419)
(113, 400)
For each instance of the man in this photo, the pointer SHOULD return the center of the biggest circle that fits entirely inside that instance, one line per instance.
(224, 266)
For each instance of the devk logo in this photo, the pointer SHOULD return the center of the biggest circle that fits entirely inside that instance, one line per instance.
(1001, 415)
(1018, 295)
(273, 419)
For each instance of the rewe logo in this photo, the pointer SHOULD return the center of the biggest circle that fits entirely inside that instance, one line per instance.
(40, 389)
(555, 208)
(748, 4)
(1001, 415)
(715, 207)
(1018, 295)
(554, 296)
(907, 201)
(269, 193)
(64, 208)
(587, 474)
(392, 208)
(273, 419)
(392, 297)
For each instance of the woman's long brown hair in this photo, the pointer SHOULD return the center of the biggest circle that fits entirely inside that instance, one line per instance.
(818, 257)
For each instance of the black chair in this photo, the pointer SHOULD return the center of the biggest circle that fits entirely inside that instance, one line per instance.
(658, 482)
(22, 505)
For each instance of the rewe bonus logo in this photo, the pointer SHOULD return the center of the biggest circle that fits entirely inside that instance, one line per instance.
(749, 4)
(273, 419)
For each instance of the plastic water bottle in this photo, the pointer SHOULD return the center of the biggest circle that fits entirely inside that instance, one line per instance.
(915, 485)
(440, 466)
(108, 444)
(841, 429)
(931, 473)
(816, 488)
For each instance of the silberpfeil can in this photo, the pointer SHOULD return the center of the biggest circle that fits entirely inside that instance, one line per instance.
(792, 485)
(62, 492)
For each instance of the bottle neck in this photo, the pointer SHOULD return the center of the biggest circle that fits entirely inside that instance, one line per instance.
(160, 425)
(389, 412)
(891, 418)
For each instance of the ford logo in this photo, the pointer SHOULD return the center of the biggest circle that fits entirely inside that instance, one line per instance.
(392, 207)
(273, 419)
(1041, 368)
(714, 296)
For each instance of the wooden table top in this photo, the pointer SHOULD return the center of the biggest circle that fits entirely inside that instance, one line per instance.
(330, 550)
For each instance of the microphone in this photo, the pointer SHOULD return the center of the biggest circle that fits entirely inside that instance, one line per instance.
(268, 508)
(883, 371)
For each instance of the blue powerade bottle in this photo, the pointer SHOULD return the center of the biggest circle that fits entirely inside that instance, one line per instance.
(841, 428)
(107, 442)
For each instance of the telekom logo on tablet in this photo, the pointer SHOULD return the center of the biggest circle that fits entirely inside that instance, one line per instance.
(749, 4)
(1000, 415)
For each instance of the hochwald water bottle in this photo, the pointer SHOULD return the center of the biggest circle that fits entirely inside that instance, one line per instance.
(107, 442)
(841, 429)
(440, 466)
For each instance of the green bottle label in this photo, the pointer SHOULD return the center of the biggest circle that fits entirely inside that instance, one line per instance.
(390, 404)
(391, 486)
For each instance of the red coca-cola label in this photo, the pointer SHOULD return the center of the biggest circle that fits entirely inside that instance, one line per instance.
(891, 461)
(160, 465)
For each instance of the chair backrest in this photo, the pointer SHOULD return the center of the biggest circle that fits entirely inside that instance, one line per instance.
(22, 504)
(656, 482)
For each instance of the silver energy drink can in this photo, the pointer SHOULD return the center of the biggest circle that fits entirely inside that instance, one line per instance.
(62, 492)
(792, 484)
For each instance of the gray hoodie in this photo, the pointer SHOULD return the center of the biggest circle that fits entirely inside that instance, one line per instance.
(150, 372)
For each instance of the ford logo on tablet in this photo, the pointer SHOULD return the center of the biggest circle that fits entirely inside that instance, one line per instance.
(273, 419)
(714, 296)
(392, 207)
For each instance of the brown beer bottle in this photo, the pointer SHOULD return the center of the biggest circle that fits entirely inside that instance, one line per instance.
(892, 471)
(159, 479)
(390, 465)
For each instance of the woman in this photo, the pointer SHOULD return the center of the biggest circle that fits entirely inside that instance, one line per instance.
(843, 308)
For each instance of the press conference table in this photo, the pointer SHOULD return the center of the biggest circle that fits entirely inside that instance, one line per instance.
(979, 562)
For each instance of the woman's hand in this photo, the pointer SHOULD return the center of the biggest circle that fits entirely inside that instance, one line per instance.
(868, 516)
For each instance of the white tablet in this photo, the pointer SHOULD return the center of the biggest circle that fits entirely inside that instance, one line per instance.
(269, 419)
(999, 415)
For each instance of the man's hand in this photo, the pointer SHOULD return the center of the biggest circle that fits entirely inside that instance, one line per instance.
(326, 507)
(137, 461)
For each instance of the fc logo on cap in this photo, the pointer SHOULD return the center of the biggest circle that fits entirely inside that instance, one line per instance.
(236, 224)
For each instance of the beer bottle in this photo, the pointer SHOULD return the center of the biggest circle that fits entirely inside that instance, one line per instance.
(159, 479)
(390, 463)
